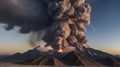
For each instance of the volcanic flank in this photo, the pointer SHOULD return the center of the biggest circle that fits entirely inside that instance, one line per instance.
(63, 23)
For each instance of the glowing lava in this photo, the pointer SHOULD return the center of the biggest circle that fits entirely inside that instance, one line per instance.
(60, 50)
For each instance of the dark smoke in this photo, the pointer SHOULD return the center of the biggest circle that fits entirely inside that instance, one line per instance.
(61, 20)
(30, 15)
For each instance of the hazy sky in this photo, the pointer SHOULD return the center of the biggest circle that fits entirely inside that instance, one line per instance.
(103, 33)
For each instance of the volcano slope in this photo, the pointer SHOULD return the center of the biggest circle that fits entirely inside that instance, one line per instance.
(76, 58)
(72, 58)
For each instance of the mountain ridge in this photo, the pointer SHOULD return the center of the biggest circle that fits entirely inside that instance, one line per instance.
(78, 57)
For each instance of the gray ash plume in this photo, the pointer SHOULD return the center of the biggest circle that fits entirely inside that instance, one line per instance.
(30, 15)
(63, 20)
(70, 17)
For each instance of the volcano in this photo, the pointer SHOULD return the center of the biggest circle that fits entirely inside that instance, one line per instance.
(64, 22)
(86, 57)
(71, 58)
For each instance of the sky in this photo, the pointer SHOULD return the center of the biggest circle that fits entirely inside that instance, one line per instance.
(103, 33)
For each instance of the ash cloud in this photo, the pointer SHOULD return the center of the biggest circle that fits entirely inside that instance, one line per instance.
(30, 15)
(69, 26)
(63, 20)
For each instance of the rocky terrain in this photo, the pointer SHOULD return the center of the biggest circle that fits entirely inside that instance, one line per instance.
(85, 57)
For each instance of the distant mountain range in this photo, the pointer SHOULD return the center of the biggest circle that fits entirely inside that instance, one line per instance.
(3, 56)
(78, 57)
(19, 57)
(117, 55)
(31, 54)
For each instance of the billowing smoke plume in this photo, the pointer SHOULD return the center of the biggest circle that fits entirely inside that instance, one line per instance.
(68, 28)
(35, 38)
(63, 20)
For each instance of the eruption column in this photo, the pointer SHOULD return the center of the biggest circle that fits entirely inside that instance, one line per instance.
(70, 17)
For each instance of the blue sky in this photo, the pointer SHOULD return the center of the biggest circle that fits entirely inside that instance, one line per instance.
(103, 33)
(12, 41)
(105, 18)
